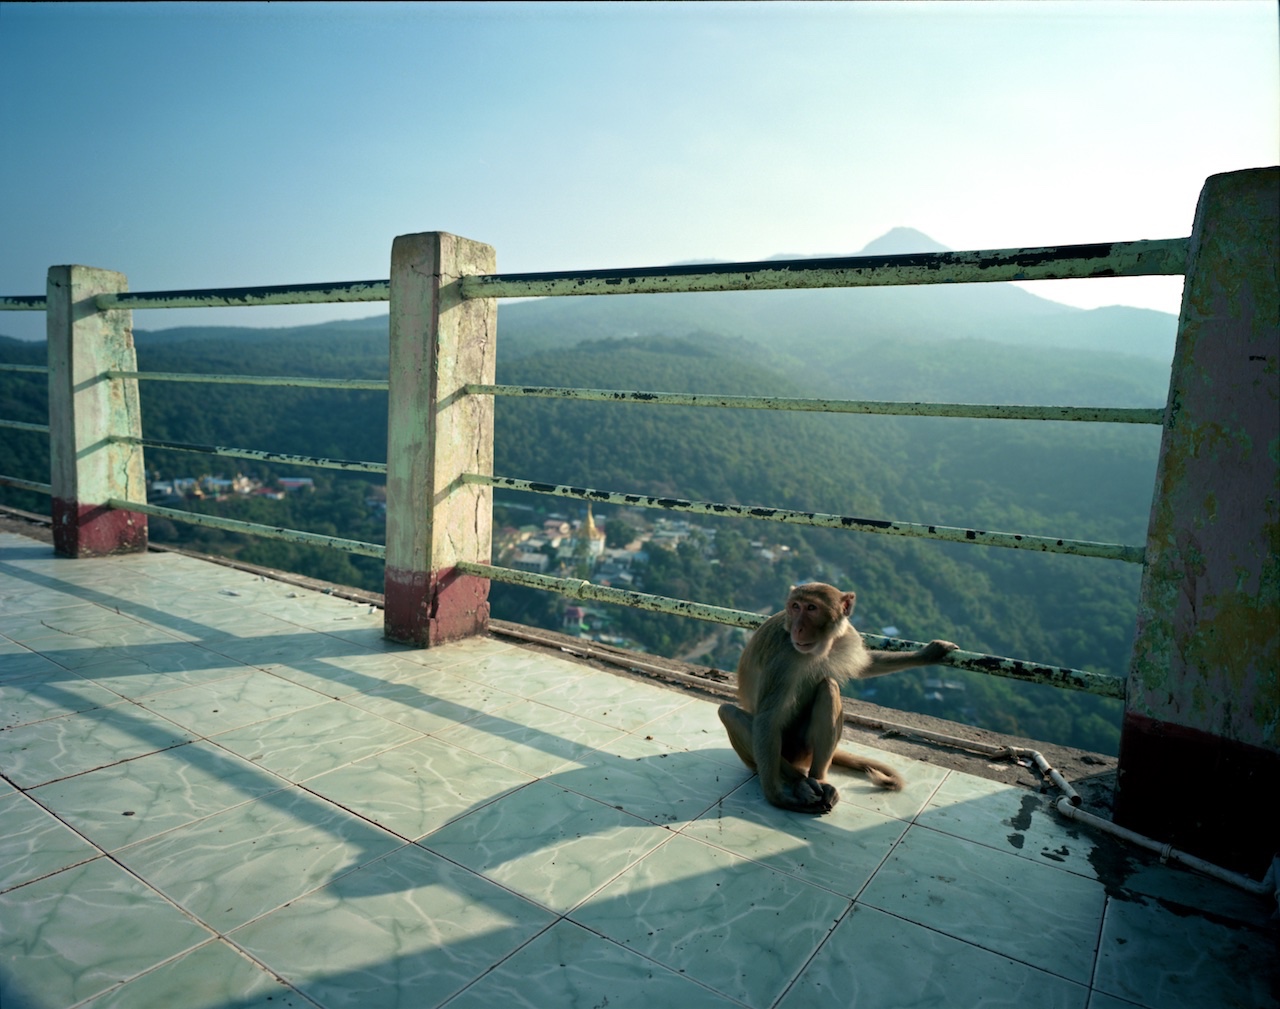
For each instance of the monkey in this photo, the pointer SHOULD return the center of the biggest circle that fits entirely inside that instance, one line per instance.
(789, 716)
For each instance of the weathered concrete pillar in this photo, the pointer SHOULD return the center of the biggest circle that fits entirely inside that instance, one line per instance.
(85, 410)
(439, 343)
(1200, 749)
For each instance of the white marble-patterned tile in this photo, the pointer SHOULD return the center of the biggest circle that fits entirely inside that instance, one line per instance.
(552, 846)
(839, 850)
(41, 752)
(212, 976)
(922, 780)
(1100, 1000)
(29, 700)
(19, 664)
(616, 700)
(521, 672)
(1156, 954)
(734, 925)
(21, 596)
(1040, 915)
(33, 843)
(131, 801)
(355, 672)
(71, 651)
(651, 780)
(875, 959)
(692, 726)
(138, 673)
(570, 966)
(406, 932)
(244, 625)
(302, 744)
(417, 787)
(285, 648)
(236, 865)
(69, 617)
(531, 737)
(75, 934)
(1012, 819)
(432, 700)
(209, 708)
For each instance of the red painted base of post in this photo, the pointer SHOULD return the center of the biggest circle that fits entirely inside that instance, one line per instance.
(1202, 794)
(81, 530)
(429, 609)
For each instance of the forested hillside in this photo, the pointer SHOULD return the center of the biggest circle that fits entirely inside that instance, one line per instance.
(1074, 480)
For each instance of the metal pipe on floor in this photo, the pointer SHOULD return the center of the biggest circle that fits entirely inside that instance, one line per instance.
(1267, 886)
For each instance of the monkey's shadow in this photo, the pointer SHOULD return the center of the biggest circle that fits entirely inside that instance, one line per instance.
(562, 837)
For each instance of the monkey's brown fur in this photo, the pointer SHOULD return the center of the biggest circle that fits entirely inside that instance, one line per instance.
(788, 719)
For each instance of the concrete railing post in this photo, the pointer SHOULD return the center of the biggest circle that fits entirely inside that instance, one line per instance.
(85, 410)
(439, 343)
(1200, 747)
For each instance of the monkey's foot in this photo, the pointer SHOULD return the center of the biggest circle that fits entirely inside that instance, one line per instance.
(808, 795)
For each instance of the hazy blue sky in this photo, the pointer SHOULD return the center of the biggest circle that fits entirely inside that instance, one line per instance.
(204, 145)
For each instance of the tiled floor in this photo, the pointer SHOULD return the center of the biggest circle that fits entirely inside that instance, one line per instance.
(222, 791)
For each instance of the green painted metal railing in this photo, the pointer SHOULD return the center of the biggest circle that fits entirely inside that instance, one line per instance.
(952, 534)
(1166, 257)
(253, 528)
(288, 381)
(319, 462)
(1118, 259)
(995, 665)
(1087, 414)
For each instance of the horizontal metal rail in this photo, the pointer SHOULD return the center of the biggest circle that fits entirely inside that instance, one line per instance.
(295, 381)
(232, 297)
(253, 528)
(22, 303)
(579, 589)
(32, 369)
(22, 425)
(996, 665)
(319, 462)
(1098, 414)
(20, 484)
(1166, 257)
(953, 534)
(1161, 258)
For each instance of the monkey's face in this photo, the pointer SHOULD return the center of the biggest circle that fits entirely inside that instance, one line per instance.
(816, 617)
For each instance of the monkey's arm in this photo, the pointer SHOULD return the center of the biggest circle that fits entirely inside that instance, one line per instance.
(893, 662)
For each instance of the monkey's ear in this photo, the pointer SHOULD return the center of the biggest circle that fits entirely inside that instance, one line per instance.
(846, 602)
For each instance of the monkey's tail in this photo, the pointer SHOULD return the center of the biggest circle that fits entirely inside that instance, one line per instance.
(880, 774)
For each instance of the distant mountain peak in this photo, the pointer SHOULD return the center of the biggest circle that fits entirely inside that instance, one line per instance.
(901, 241)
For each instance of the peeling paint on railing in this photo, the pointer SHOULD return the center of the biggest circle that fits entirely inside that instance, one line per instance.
(1165, 257)
(255, 528)
(31, 485)
(1160, 258)
(233, 297)
(1014, 541)
(292, 381)
(576, 588)
(22, 425)
(996, 665)
(351, 466)
(1094, 414)
(22, 303)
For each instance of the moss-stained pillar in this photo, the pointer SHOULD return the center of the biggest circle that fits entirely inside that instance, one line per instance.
(1200, 750)
(439, 343)
(85, 410)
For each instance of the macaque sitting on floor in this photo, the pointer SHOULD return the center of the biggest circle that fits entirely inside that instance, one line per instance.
(789, 716)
